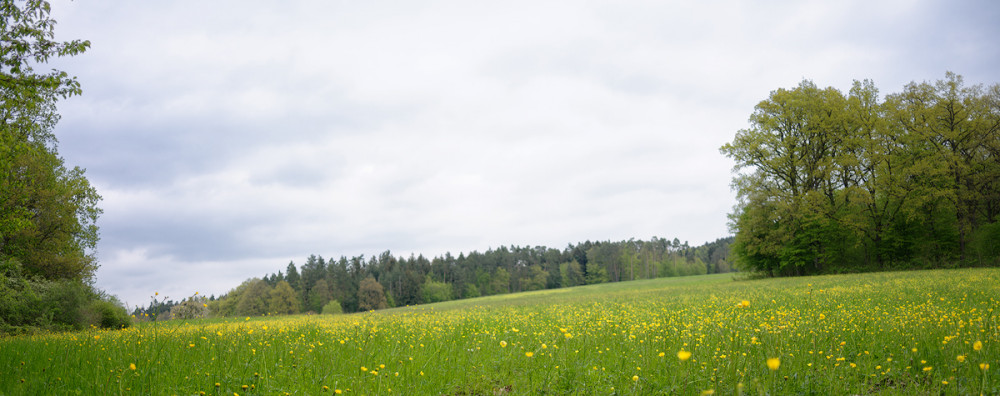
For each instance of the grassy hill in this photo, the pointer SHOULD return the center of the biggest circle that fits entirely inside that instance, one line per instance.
(904, 332)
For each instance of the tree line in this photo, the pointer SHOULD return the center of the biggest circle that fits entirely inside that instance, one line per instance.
(360, 284)
(837, 183)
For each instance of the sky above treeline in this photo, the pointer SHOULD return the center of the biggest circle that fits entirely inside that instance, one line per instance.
(231, 137)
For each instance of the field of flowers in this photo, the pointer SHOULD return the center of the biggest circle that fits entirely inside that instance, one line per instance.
(908, 332)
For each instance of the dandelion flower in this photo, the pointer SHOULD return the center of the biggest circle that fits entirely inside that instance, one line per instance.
(635, 378)
(708, 392)
(978, 345)
(773, 363)
(683, 355)
(503, 344)
(131, 366)
(529, 354)
(960, 358)
(984, 366)
(928, 368)
(662, 354)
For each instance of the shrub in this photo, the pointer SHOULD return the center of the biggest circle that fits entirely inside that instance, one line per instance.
(106, 313)
(332, 308)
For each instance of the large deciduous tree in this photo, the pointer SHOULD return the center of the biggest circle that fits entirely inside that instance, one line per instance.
(48, 212)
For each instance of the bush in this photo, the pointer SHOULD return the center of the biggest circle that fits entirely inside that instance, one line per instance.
(106, 313)
(332, 308)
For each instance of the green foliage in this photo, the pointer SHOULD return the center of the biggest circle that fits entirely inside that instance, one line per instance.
(332, 308)
(837, 183)
(471, 291)
(28, 304)
(319, 295)
(371, 295)
(283, 299)
(106, 313)
(436, 291)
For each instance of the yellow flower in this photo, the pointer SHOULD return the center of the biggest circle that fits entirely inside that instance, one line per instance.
(928, 368)
(544, 346)
(708, 392)
(337, 391)
(363, 368)
(978, 345)
(662, 354)
(503, 344)
(773, 363)
(635, 378)
(529, 354)
(961, 358)
(131, 366)
(984, 366)
(683, 355)
(744, 303)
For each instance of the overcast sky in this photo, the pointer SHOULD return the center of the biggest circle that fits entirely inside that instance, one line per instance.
(230, 137)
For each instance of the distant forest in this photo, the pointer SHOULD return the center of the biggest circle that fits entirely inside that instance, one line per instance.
(360, 284)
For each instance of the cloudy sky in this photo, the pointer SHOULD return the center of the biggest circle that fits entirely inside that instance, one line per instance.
(230, 137)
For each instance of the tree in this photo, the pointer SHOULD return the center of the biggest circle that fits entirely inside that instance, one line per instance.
(436, 291)
(501, 282)
(48, 213)
(835, 182)
(283, 299)
(371, 295)
(319, 295)
(254, 300)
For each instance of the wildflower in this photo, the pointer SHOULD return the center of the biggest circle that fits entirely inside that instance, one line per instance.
(984, 366)
(503, 344)
(337, 391)
(683, 355)
(529, 354)
(744, 304)
(662, 354)
(773, 363)
(708, 392)
(961, 358)
(978, 345)
(363, 368)
(928, 368)
(544, 346)
(131, 366)
(635, 378)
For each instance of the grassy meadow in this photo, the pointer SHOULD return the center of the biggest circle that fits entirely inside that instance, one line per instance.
(923, 332)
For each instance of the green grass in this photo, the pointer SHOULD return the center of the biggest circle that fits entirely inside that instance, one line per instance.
(891, 333)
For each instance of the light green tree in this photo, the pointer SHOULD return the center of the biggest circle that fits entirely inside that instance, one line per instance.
(283, 300)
